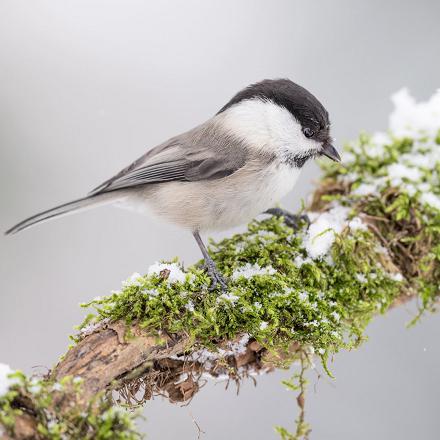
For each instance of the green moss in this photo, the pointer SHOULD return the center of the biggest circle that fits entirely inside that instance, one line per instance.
(323, 303)
(406, 209)
(100, 420)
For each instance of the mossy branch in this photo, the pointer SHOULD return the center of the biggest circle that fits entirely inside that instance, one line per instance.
(291, 293)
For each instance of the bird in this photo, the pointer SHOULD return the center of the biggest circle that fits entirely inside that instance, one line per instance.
(225, 171)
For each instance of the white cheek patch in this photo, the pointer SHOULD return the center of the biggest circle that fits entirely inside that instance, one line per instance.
(267, 126)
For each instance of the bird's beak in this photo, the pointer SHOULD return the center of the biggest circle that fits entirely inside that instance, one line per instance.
(330, 151)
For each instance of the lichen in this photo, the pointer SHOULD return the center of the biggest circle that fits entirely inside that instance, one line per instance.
(42, 399)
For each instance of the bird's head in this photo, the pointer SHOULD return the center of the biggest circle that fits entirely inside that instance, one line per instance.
(282, 117)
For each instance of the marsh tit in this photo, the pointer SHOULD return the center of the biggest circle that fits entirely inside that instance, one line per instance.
(224, 172)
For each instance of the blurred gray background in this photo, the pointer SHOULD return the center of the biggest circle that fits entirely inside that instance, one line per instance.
(86, 86)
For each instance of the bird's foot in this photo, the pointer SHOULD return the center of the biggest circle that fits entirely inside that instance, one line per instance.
(216, 277)
(292, 220)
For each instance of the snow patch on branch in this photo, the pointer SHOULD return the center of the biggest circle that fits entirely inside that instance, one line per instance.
(208, 358)
(413, 172)
(430, 199)
(251, 270)
(5, 380)
(398, 171)
(411, 119)
(176, 274)
(322, 231)
(133, 280)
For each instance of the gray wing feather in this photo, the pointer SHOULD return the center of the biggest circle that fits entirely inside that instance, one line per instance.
(204, 153)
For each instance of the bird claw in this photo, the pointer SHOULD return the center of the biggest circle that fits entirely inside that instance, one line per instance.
(292, 220)
(216, 278)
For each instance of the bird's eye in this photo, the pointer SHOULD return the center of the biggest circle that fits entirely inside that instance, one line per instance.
(308, 132)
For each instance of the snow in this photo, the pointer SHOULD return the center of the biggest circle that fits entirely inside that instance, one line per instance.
(218, 378)
(381, 250)
(364, 189)
(379, 139)
(35, 386)
(336, 315)
(132, 280)
(411, 119)
(356, 224)
(397, 276)
(329, 260)
(266, 234)
(240, 346)
(189, 306)
(207, 357)
(397, 172)
(348, 158)
(303, 296)
(257, 305)
(229, 297)
(181, 378)
(361, 278)
(250, 270)
(417, 159)
(409, 188)
(321, 233)
(423, 187)
(431, 199)
(299, 261)
(376, 145)
(313, 323)
(419, 121)
(57, 386)
(176, 272)
(5, 381)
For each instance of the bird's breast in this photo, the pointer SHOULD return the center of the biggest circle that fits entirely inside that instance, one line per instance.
(218, 204)
(246, 194)
(279, 179)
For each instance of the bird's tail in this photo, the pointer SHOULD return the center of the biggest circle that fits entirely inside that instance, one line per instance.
(67, 208)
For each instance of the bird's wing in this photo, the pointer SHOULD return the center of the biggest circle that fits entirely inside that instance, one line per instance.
(204, 153)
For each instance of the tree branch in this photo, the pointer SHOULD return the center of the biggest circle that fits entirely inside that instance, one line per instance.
(291, 293)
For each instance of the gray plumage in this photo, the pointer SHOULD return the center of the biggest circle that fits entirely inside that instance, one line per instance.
(203, 153)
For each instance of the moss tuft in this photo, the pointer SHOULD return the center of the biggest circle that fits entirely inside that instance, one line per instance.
(276, 293)
(42, 399)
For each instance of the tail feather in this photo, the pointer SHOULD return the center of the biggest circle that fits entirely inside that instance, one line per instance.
(62, 210)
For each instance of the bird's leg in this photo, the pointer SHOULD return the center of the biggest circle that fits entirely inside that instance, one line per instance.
(290, 219)
(213, 272)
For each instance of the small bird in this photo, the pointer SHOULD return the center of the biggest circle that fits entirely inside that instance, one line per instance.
(224, 172)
